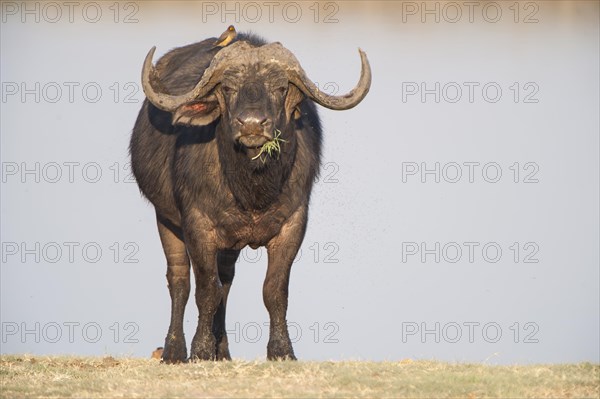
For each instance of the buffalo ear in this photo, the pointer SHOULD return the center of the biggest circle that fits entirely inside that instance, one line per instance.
(292, 101)
(197, 113)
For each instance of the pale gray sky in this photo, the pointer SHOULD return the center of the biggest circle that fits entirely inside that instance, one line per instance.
(456, 217)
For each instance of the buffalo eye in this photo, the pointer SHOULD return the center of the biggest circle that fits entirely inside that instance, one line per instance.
(228, 89)
(281, 91)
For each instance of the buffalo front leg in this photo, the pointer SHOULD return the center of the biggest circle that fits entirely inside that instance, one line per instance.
(226, 264)
(282, 250)
(178, 278)
(201, 243)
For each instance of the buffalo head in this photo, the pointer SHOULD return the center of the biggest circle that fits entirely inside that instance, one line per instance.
(255, 91)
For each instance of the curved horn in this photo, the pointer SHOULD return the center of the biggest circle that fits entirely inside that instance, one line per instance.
(211, 76)
(345, 101)
(273, 52)
(298, 77)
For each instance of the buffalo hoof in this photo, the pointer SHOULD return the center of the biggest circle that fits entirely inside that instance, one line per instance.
(174, 351)
(223, 351)
(277, 350)
(203, 349)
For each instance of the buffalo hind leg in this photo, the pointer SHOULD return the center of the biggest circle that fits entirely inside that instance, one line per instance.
(282, 250)
(226, 263)
(178, 278)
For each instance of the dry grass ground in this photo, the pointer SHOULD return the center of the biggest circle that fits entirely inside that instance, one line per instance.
(56, 377)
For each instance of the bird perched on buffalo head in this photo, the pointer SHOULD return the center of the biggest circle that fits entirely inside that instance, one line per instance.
(226, 37)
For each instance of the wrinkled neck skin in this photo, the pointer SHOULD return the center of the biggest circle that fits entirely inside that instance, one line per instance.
(255, 184)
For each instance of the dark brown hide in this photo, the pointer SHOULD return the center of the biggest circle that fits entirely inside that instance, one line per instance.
(194, 158)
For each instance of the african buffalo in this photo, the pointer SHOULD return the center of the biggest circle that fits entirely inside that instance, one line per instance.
(198, 154)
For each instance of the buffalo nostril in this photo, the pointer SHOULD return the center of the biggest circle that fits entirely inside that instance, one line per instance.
(241, 122)
(265, 122)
